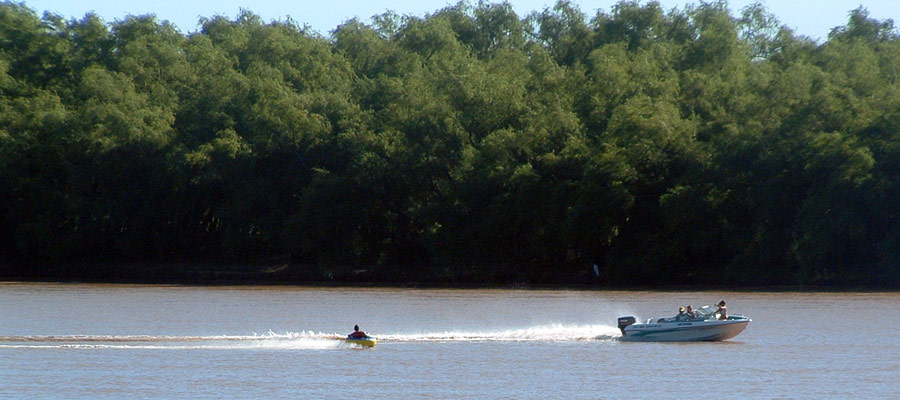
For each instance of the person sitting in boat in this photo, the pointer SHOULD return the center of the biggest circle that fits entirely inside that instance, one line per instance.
(681, 315)
(722, 310)
(357, 334)
(690, 312)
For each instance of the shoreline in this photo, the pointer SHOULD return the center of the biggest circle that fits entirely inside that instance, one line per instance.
(284, 274)
(454, 286)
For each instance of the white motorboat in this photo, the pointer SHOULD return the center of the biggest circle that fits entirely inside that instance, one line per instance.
(705, 327)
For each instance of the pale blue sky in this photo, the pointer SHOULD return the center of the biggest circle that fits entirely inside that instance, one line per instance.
(813, 18)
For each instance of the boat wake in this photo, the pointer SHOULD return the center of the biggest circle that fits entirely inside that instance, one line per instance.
(546, 333)
(305, 339)
(271, 340)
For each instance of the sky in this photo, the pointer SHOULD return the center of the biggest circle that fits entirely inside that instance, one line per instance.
(811, 18)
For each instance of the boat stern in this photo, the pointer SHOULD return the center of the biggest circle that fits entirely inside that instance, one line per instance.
(624, 322)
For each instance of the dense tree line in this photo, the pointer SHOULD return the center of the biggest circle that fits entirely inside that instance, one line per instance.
(470, 145)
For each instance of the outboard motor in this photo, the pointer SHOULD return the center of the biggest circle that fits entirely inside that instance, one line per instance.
(624, 322)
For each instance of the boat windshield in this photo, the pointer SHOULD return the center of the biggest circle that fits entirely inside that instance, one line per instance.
(705, 312)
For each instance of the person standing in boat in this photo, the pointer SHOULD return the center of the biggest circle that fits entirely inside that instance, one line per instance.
(357, 334)
(723, 311)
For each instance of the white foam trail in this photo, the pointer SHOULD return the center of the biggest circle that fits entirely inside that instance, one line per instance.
(305, 339)
(271, 340)
(545, 333)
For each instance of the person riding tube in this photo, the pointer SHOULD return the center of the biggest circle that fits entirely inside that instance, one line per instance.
(357, 334)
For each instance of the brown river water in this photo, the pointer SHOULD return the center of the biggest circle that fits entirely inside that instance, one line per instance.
(146, 341)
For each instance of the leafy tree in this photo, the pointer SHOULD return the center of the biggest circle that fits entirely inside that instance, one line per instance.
(759, 28)
(469, 145)
(861, 27)
(564, 32)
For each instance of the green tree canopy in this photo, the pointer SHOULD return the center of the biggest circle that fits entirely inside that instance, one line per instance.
(469, 145)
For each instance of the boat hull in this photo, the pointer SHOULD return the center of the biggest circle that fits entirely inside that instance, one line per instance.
(366, 341)
(686, 331)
